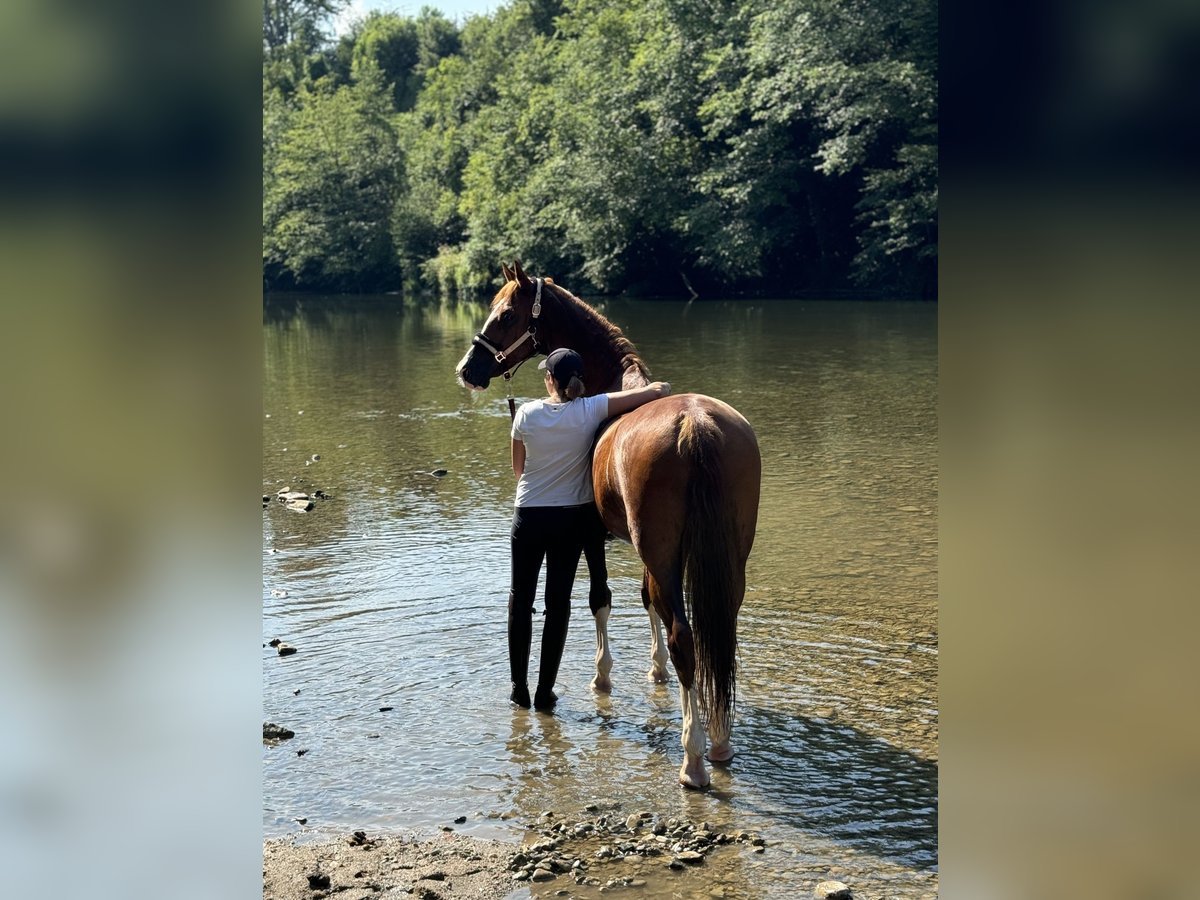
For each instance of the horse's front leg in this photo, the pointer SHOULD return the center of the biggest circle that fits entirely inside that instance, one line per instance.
(658, 646)
(600, 601)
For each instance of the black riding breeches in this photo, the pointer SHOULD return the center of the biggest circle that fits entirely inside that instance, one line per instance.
(552, 533)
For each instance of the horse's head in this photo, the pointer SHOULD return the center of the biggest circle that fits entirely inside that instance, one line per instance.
(510, 334)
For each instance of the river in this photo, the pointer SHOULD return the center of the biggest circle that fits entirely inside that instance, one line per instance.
(393, 591)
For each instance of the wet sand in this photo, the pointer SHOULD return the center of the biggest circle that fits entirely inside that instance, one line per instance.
(450, 867)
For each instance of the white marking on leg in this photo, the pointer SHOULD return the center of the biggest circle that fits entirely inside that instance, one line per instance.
(604, 660)
(720, 750)
(658, 650)
(692, 773)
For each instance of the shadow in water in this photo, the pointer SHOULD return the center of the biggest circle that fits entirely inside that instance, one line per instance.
(834, 780)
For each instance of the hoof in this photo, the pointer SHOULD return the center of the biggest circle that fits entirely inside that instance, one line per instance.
(694, 777)
(544, 701)
(520, 696)
(657, 675)
(720, 756)
(602, 684)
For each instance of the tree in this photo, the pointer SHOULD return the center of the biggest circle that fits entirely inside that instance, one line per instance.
(328, 203)
(289, 21)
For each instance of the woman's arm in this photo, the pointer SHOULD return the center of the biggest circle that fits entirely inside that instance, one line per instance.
(624, 401)
(518, 457)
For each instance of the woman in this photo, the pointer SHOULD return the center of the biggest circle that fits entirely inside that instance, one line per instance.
(551, 457)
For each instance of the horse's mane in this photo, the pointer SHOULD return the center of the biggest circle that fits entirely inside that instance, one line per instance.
(599, 331)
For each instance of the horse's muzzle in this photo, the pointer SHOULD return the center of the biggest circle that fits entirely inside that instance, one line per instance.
(473, 371)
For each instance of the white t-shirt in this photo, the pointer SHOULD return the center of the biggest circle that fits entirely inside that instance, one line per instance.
(558, 450)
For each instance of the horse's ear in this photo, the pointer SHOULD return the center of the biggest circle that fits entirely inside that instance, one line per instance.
(519, 274)
(548, 280)
(507, 273)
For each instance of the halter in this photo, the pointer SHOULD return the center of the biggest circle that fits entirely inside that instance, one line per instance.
(502, 355)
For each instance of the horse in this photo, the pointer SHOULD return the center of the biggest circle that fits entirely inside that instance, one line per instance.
(678, 478)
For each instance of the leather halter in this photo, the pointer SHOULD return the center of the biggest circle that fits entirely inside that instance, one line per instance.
(501, 356)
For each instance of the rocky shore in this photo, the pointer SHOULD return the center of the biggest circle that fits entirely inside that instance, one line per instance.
(573, 856)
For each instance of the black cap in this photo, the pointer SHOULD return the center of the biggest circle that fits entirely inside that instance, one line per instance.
(562, 364)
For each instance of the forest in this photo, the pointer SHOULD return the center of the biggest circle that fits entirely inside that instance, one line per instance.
(650, 147)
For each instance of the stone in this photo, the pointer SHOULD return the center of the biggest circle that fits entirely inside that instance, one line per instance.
(435, 876)
(439, 473)
(542, 875)
(460, 820)
(633, 822)
(832, 890)
(285, 649)
(275, 642)
(318, 881)
(273, 732)
(690, 856)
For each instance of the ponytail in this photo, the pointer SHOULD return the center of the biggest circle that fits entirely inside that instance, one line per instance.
(574, 388)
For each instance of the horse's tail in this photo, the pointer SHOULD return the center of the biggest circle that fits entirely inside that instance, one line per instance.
(709, 550)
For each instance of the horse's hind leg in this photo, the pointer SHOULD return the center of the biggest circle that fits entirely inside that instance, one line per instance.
(682, 648)
(600, 601)
(720, 751)
(658, 647)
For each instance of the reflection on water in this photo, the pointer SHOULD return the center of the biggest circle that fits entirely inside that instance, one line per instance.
(396, 590)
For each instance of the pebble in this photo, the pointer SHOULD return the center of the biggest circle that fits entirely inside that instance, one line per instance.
(274, 732)
(542, 875)
(318, 881)
(285, 649)
(832, 890)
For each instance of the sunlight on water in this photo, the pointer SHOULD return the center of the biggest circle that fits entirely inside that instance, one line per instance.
(393, 591)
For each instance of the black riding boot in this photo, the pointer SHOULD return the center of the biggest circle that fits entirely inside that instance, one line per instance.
(554, 640)
(520, 636)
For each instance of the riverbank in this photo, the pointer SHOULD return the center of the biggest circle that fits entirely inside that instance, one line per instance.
(589, 854)
(450, 867)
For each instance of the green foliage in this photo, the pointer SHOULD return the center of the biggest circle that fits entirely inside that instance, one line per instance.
(389, 43)
(327, 206)
(747, 144)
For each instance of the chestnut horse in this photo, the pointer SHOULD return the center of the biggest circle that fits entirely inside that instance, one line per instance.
(678, 478)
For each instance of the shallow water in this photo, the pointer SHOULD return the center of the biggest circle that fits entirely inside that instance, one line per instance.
(396, 589)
